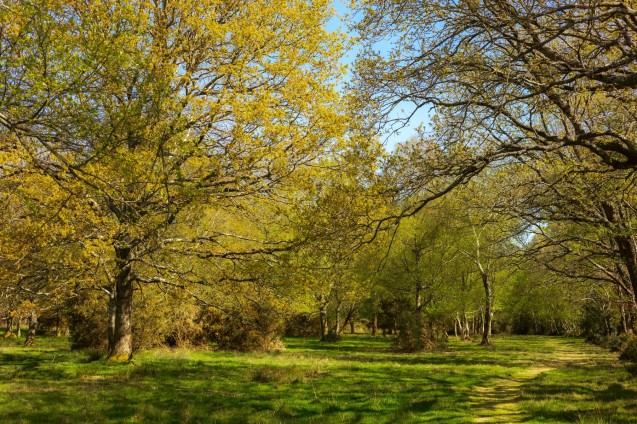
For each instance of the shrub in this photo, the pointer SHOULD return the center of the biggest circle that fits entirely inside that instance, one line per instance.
(595, 323)
(332, 337)
(414, 334)
(613, 342)
(629, 349)
(251, 329)
(631, 367)
(302, 325)
(629, 353)
(166, 320)
(159, 319)
(87, 320)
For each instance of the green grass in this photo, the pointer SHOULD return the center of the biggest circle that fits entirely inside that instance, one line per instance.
(359, 380)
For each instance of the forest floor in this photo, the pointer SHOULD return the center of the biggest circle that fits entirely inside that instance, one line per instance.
(358, 380)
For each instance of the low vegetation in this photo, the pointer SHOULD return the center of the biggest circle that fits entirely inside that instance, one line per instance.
(361, 379)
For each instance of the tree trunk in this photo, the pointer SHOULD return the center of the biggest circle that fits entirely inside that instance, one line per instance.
(33, 325)
(19, 331)
(488, 306)
(112, 313)
(337, 319)
(351, 312)
(375, 325)
(122, 348)
(630, 327)
(455, 325)
(323, 319)
(418, 297)
(625, 314)
(466, 331)
(9, 332)
(58, 333)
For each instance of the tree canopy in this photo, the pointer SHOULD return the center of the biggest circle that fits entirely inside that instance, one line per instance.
(206, 162)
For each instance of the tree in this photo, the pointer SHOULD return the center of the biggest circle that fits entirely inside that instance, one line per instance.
(45, 241)
(503, 79)
(493, 239)
(583, 221)
(154, 108)
(417, 271)
(541, 302)
(470, 220)
(507, 78)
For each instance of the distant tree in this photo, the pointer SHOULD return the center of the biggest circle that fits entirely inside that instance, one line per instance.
(541, 302)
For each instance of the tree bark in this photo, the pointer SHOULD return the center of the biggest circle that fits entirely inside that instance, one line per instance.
(466, 331)
(19, 331)
(337, 319)
(323, 319)
(122, 348)
(112, 313)
(33, 325)
(418, 297)
(351, 312)
(58, 333)
(9, 332)
(488, 306)
(455, 325)
(375, 325)
(629, 317)
(10, 324)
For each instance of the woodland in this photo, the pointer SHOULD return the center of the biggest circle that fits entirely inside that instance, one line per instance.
(210, 174)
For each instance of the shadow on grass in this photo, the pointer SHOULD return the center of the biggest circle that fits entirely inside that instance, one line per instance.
(583, 393)
(357, 380)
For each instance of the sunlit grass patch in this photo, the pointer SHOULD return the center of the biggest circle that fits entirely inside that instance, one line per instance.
(525, 379)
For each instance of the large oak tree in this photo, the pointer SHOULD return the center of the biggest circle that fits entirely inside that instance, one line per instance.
(155, 107)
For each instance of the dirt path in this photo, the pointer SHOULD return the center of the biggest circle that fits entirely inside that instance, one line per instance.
(499, 403)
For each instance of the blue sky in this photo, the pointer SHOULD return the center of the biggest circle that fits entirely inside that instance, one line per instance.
(341, 22)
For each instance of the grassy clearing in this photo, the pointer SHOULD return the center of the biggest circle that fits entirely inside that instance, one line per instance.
(359, 380)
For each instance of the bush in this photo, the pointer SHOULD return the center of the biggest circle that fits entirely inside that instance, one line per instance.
(165, 320)
(613, 342)
(595, 323)
(87, 320)
(629, 353)
(631, 367)
(251, 329)
(629, 349)
(414, 334)
(93, 355)
(158, 320)
(302, 325)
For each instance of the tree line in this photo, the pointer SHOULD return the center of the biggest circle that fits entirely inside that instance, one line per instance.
(181, 172)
